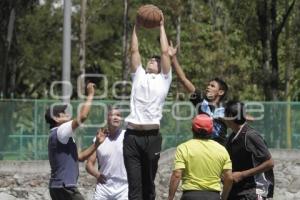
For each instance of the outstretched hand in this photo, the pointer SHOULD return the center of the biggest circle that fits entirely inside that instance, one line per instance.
(90, 89)
(162, 21)
(172, 51)
(101, 135)
(237, 176)
(101, 179)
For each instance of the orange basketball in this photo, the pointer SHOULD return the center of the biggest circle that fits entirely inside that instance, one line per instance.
(149, 16)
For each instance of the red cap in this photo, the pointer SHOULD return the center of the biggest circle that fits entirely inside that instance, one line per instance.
(203, 122)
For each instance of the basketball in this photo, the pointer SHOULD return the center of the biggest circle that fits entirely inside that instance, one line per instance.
(149, 16)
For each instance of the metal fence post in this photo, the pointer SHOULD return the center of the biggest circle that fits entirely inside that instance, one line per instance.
(35, 129)
(21, 145)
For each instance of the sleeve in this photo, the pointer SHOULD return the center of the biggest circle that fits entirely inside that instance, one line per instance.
(64, 132)
(196, 97)
(166, 79)
(227, 161)
(140, 71)
(179, 162)
(256, 144)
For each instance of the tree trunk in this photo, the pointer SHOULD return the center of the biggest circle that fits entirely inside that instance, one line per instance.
(288, 64)
(191, 6)
(13, 65)
(7, 44)
(125, 60)
(178, 34)
(270, 31)
(264, 25)
(288, 69)
(82, 36)
(82, 54)
(214, 14)
(274, 52)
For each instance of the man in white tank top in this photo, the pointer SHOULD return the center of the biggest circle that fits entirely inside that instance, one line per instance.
(142, 141)
(111, 176)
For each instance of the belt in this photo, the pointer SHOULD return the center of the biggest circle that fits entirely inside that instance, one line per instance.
(142, 127)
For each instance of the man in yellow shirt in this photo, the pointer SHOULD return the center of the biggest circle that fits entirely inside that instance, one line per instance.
(200, 163)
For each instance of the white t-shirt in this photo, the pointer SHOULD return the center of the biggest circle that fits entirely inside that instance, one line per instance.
(148, 95)
(111, 162)
(64, 132)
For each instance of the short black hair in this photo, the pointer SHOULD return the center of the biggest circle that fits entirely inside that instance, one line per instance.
(222, 84)
(202, 134)
(110, 108)
(54, 111)
(235, 110)
(157, 57)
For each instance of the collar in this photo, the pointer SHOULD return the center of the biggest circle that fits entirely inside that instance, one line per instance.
(115, 135)
(216, 112)
(238, 133)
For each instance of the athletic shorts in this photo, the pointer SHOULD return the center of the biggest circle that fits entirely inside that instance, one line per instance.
(111, 190)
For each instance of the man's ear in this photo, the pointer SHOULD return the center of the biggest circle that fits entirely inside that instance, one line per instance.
(221, 92)
(56, 119)
(159, 67)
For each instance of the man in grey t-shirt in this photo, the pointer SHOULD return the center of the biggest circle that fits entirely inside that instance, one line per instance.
(62, 149)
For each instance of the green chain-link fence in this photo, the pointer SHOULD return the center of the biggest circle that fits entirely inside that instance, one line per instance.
(24, 132)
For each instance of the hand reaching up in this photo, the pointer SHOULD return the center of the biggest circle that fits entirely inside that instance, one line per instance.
(172, 51)
(90, 88)
(101, 135)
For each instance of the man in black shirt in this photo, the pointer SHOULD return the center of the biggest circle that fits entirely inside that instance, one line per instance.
(209, 102)
(252, 163)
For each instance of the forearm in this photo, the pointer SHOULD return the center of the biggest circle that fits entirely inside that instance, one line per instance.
(85, 109)
(134, 41)
(164, 45)
(85, 154)
(83, 114)
(265, 166)
(174, 182)
(227, 184)
(135, 55)
(91, 170)
(188, 85)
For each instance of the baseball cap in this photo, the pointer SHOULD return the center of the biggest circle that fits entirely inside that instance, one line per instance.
(53, 111)
(202, 122)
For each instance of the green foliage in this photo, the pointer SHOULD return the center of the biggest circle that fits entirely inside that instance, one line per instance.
(218, 38)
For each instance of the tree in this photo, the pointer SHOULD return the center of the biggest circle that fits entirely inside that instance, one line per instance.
(10, 10)
(125, 59)
(270, 31)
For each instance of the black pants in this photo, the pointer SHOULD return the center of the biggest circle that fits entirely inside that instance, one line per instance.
(141, 154)
(65, 194)
(200, 195)
(249, 194)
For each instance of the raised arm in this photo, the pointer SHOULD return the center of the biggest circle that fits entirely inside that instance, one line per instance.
(85, 154)
(165, 59)
(85, 109)
(135, 54)
(188, 85)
